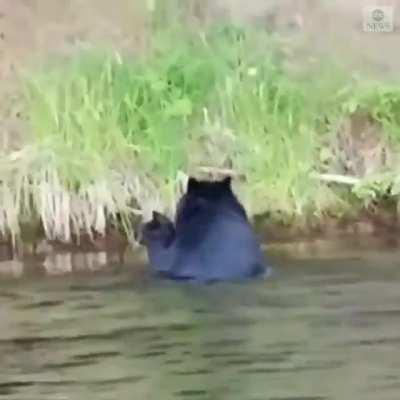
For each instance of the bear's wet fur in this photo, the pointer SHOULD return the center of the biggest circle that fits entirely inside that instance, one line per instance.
(212, 239)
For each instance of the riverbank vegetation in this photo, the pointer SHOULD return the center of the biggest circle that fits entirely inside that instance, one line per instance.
(112, 136)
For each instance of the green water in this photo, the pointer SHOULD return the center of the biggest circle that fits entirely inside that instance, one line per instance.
(319, 329)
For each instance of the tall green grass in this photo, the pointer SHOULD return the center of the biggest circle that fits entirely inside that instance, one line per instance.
(113, 135)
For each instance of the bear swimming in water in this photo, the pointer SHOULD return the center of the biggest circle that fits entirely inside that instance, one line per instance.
(212, 239)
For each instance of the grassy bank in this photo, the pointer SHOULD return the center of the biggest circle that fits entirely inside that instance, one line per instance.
(113, 136)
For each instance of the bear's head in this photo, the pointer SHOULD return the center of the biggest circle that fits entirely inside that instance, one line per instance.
(160, 229)
(209, 190)
(208, 196)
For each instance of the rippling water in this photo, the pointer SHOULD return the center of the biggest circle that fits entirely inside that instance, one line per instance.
(322, 329)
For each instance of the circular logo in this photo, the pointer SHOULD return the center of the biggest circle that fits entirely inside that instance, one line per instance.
(378, 15)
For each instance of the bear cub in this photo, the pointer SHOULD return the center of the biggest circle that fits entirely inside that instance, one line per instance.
(157, 236)
(211, 240)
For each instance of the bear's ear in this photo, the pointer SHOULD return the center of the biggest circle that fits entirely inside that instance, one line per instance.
(156, 215)
(160, 218)
(193, 183)
(226, 182)
(155, 222)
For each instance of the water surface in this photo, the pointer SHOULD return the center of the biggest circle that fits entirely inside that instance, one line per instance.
(319, 329)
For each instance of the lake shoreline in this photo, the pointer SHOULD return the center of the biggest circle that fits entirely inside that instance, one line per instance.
(100, 135)
(382, 224)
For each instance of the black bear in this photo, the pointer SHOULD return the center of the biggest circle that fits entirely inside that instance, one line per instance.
(212, 239)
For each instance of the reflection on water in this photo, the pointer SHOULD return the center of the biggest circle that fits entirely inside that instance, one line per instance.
(321, 329)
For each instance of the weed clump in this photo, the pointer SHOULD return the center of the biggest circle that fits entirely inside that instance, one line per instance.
(113, 135)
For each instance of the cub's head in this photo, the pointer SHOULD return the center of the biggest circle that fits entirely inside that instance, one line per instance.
(159, 230)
